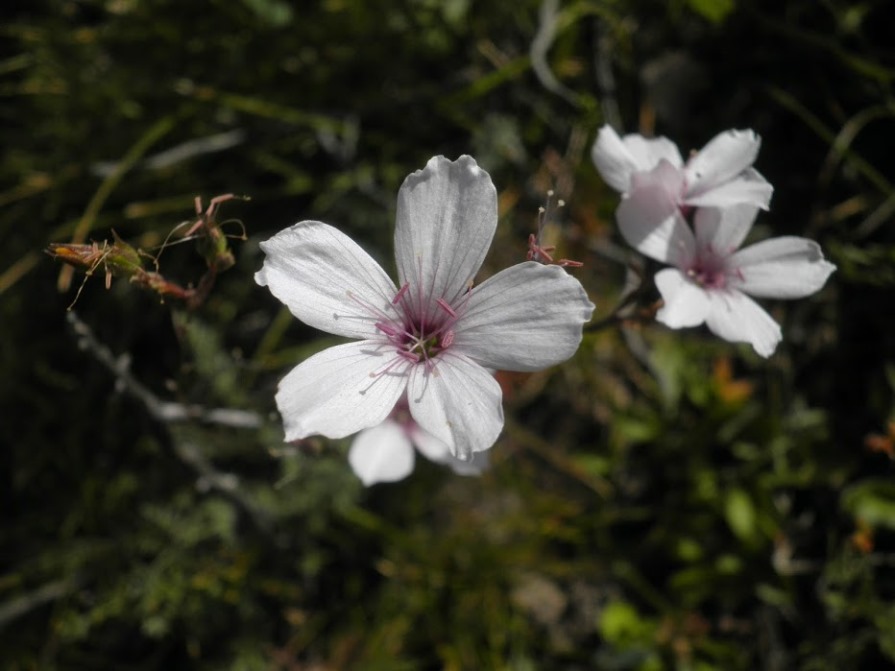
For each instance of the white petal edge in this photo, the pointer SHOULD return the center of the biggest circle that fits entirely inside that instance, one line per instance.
(737, 318)
(648, 152)
(613, 160)
(382, 453)
(785, 267)
(458, 402)
(446, 218)
(723, 158)
(475, 466)
(525, 318)
(722, 230)
(749, 187)
(686, 304)
(315, 270)
(618, 158)
(335, 392)
(435, 450)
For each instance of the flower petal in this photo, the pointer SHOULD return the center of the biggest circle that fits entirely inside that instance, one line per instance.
(340, 391)
(447, 215)
(722, 230)
(650, 221)
(748, 187)
(686, 303)
(314, 269)
(737, 318)
(617, 159)
(723, 158)
(613, 160)
(435, 450)
(458, 402)
(527, 317)
(475, 465)
(787, 267)
(648, 152)
(382, 453)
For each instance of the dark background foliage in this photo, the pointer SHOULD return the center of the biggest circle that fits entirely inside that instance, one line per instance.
(663, 500)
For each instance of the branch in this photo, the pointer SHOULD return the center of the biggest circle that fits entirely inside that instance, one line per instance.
(24, 604)
(167, 412)
(164, 411)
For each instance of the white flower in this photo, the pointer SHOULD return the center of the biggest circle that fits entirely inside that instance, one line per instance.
(433, 337)
(718, 175)
(385, 453)
(712, 278)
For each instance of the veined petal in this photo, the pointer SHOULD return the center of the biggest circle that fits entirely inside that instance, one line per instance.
(650, 221)
(737, 318)
(435, 450)
(786, 267)
(748, 187)
(340, 390)
(382, 453)
(527, 317)
(686, 303)
(446, 218)
(723, 158)
(722, 230)
(617, 159)
(325, 279)
(458, 402)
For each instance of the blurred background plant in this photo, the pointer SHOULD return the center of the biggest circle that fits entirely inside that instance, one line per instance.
(663, 501)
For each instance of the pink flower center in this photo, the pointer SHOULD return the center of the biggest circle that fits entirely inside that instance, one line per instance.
(708, 270)
(418, 328)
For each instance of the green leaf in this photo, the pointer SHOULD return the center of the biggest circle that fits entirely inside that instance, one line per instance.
(273, 12)
(872, 501)
(713, 10)
(621, 625)
(740, 513)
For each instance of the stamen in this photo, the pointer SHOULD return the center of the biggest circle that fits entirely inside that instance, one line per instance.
(538, 253)
(400, 294)
(387, 329)
(382, 316)
(447, 340)
(443, 304)
(544, 253)
(398, 360)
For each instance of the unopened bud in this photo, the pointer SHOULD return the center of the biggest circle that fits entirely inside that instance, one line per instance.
(118, 259)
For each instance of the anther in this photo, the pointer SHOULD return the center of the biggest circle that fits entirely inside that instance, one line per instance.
(400, 294)
(387, 329)
(410, 356)
(447, 308)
